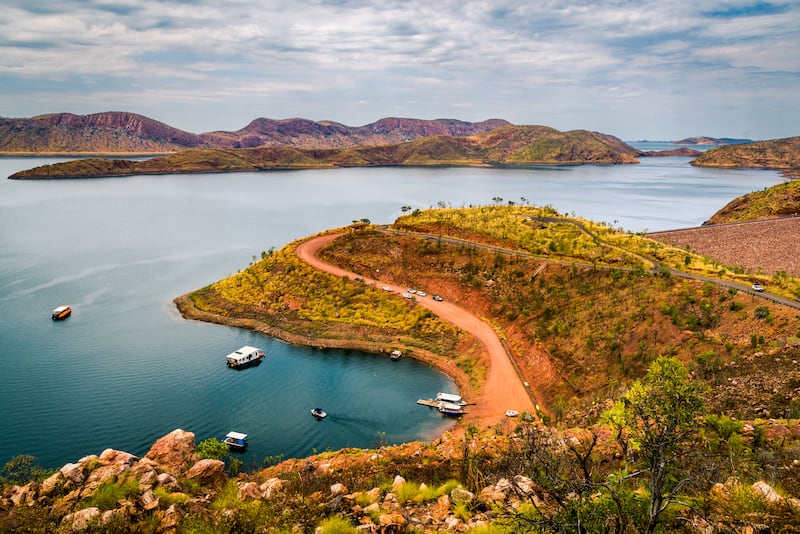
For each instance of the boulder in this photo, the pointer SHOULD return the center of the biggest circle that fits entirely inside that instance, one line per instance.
(82, 519)
(270, 487)
(247, 490)
(338, 489)
(112, 456)
(173, 452)
(52, 484)
(168, 482)
(461, 496)
(169, 520)
(73, 474)
(397, 482)
(765, 490)
(208, 472)
(392, 522)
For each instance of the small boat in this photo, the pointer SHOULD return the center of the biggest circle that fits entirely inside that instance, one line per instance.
(244, 357)
(396, 355)
(451, 398)
(236, 441)
(512, 413)
(319, 413)
(62, 312)
(448, 408)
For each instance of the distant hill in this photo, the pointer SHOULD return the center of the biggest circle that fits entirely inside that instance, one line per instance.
(508, 145)
(711, 141)
(111, 132)
(128, 133)
(779, 154)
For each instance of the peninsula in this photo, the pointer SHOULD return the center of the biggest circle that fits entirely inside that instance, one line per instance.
(507, 145)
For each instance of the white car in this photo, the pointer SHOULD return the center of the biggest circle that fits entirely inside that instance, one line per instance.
(421, 293)
(387, 288)
(406, 295)
(758, 287)
(412, 290)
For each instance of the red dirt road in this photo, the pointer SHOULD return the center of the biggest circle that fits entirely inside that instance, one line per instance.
(503, 389)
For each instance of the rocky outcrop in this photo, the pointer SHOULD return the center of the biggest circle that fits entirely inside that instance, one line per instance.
(173, 451)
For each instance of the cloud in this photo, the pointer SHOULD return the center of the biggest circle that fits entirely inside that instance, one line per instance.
(547, 62)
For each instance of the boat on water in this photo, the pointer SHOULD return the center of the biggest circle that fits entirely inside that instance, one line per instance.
(451, 398)
(236, 441)
(244, 357)
(319, 413)
(62, 312)
(448, 408)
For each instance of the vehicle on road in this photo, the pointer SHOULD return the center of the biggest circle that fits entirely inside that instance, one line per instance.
(758, 287)
(437, 298)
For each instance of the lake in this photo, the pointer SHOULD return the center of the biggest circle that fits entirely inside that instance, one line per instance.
(126, 369)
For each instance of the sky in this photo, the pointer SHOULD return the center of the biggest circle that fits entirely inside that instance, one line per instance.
(635, 69)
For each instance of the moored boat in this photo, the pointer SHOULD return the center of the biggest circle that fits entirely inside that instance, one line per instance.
(62, 312)
(244, 357)
(451, 398)
(448, 408)
(236, 441)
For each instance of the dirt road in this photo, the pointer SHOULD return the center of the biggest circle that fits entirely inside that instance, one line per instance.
(503, 389)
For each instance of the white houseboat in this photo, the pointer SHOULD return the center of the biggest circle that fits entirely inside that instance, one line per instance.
(245, 357)
(451, 398)
(236, 441)
(448, 408)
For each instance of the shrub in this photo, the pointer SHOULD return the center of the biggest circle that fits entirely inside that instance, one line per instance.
(336, 525)
(212, 448)
(762, 312)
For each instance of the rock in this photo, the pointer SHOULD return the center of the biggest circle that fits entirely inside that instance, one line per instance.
(392, 522)
(461, 496)
(524, 485)
(168, 482)
(173, 452)
(169, 520)
(441, 509)
(766, 491)
(208, 472)
(454, 524)
(247, 490)
(73, 474)
(22, 494)
(397, 482)
(82, 519)
(270, 487)
(52, 484)
(112, 456)
(338, 489)
(149, 500)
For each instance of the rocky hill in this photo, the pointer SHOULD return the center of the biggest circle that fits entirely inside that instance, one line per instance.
(703, 140)
(129, 133)
(508, 145)
(780, 154)
(777, 201)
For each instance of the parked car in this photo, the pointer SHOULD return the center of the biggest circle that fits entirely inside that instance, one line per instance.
(758, 287)
(406, 295)
(387, 288)
(421, 294)
(437, 298)
(412, 290)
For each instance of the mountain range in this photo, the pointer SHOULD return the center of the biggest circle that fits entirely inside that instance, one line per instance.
(129, 133)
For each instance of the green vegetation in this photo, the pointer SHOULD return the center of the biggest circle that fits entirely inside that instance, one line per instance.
(21, 469)
(775, 201)
(108, 494)
(212, 448)
(774, 154)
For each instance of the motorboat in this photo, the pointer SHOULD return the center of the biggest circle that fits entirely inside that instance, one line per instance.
(319, 413)
(62, 312)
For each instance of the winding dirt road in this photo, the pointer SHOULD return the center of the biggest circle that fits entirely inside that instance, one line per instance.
(503, 389)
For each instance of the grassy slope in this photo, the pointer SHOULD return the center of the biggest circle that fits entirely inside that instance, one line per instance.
(778, 200)
(509, 145)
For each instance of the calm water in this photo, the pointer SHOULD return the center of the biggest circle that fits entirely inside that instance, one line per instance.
(126, 369)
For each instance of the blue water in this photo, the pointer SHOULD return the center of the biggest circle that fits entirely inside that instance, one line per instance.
(126, 369)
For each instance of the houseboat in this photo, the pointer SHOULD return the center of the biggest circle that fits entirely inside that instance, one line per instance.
(451, 398)
(244, 357)
(62, 312)
(236, 441)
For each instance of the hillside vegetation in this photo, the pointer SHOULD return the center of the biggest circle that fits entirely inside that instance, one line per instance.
(513, 145)
(780, 154)
(776, 201)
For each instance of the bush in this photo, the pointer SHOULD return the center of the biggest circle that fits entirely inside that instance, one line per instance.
(23, 469)
(212, 448)
(109, 493)
(336, 525)
(762, 312)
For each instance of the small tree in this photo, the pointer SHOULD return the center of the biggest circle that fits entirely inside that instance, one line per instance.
(660, 411)
(212, 448)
